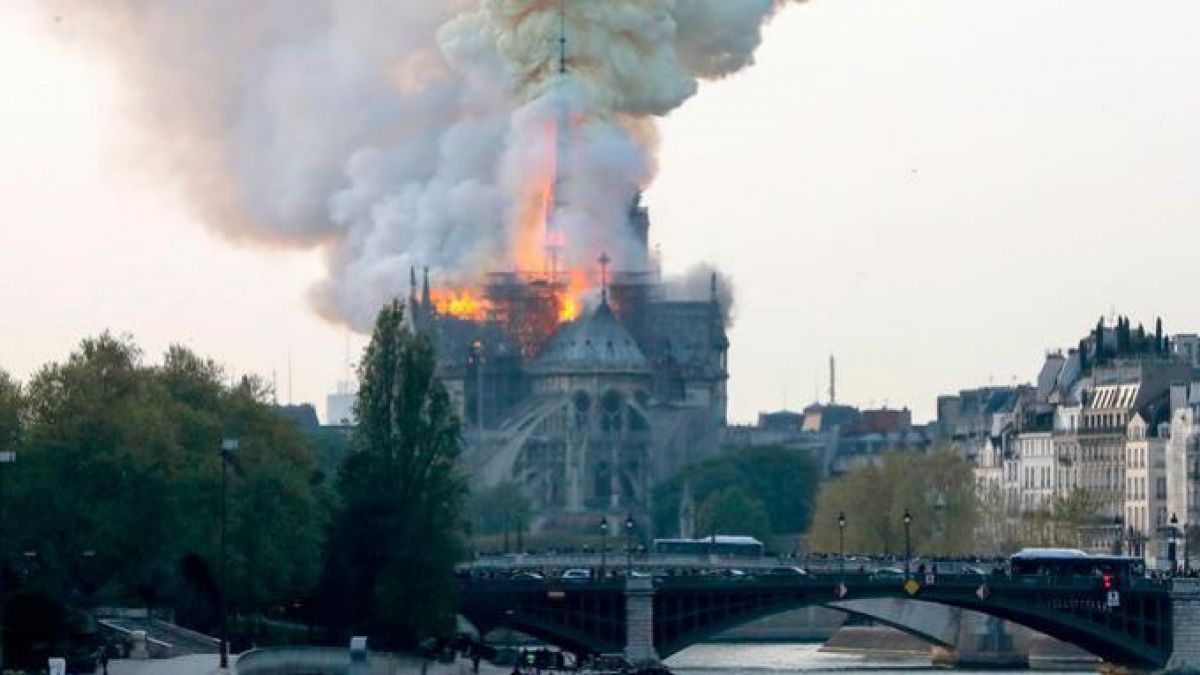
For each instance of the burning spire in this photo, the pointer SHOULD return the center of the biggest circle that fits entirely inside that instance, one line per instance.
(553, 227)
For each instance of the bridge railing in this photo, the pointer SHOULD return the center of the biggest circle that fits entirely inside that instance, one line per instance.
(649, 561)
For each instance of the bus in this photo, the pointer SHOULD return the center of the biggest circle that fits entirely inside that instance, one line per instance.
(1070, 562)
(718, 545)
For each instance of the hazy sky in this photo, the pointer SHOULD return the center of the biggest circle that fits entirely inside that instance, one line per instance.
(934, 190)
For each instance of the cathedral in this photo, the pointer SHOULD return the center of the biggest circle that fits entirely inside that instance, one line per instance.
(585, 415)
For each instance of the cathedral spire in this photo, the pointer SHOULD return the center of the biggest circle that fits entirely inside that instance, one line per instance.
(553, 226)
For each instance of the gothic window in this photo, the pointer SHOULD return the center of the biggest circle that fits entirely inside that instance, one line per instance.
(582, 409)
(610, 412)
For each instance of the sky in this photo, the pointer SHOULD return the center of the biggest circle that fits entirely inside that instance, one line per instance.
(934, 191)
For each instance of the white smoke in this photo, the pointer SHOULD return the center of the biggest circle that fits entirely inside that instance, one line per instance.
(410, 133)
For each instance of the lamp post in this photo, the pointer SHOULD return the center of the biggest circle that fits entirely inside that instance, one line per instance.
(629, 525)
(603, 545)
(907, 543)
(228, 447)
(842, 542)
(1186, 564)
(1119, 544)
(1171, 550)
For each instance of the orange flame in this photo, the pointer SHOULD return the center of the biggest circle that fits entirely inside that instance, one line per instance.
(462, 303)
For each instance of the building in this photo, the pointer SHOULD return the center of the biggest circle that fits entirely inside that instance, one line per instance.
(585, 415)
(1146, 507)
(1104, 418)
(339, 406)
(840, 437)
(1186, 347)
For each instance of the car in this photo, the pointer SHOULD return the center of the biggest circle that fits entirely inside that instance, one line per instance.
(786, 571)
(887, 574)
(577, 574)
(528, 576)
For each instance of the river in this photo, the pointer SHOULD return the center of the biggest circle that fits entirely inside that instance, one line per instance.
(769, 659)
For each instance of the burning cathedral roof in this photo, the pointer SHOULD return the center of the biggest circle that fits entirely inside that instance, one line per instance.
(596, 342)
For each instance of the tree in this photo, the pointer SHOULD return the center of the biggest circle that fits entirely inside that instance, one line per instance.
(732, 511)
(498, 509)
(117, 489)
(937, 489)
(784, 479)
(396, 537)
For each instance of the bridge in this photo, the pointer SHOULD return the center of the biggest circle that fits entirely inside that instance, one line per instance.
(1149, 625)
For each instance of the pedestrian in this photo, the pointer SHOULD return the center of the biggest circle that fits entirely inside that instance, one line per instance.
(104, 659)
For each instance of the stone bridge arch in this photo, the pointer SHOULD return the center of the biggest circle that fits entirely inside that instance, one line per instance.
(674, 613)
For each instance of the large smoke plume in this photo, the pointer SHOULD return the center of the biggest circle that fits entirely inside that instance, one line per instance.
(412, 132)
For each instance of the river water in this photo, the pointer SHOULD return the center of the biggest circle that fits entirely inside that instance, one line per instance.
(772, 659)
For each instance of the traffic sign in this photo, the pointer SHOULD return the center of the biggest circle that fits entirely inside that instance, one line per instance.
(840, 590)
(929, 578)
(983, 592)
(911, 586)
(1114, 598)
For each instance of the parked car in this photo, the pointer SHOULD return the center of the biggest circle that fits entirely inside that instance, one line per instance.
(577, 574)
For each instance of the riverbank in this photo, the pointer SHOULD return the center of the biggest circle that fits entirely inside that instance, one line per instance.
(1040, 652)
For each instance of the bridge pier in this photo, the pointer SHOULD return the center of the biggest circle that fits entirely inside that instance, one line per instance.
(639, 622)
(1185, 620)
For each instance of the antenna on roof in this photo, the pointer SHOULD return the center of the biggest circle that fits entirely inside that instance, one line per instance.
(832, 380)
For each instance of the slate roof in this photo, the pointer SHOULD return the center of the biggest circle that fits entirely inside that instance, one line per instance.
(596, 342)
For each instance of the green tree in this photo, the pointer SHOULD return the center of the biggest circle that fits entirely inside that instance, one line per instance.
(937, 489)
(498, 509)
(732, 511)
(390, 569)
(117, 490)
(784, 479)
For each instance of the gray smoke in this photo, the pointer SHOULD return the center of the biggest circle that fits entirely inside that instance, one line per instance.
(396, 134)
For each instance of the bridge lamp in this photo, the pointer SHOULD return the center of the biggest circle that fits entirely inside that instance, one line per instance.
(629, 525)
(1174, 534)
(603, 544)
(842, 540)
(1120, 544)
(907, 542)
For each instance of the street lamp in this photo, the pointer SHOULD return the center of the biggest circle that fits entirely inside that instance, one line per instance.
(1185, 547)
(907, 543)
(842, 541)
(1119, 544)
(603, 545)
(629, 525)
(1171, 550)
(228, 447)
